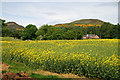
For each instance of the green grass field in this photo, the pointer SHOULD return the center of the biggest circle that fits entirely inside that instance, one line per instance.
(91, 58)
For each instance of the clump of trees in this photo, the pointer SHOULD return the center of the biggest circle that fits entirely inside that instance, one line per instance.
(7, 32)
(107, 30)
(29, 32)
(49, 32)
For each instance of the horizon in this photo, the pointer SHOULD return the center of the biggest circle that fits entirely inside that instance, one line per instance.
(41, 13)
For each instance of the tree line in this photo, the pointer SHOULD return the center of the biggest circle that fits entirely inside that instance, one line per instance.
(49, 32)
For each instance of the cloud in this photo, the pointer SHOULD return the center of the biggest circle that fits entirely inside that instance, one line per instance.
(49, 13)
(40, 13)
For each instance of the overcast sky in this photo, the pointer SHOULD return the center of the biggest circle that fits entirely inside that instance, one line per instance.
(40, 13)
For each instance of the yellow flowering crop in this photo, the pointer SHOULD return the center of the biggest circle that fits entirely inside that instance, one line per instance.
(92, 58)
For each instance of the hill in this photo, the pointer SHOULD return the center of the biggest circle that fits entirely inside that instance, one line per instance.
(15, 26)
(82, 23)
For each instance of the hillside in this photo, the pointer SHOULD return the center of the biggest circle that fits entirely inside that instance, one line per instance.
(13, 25)
(83, 22)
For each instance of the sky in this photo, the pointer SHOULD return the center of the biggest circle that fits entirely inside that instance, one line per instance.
(40, 13)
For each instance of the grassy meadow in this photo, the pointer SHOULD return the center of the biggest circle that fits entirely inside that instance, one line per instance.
(91, 58)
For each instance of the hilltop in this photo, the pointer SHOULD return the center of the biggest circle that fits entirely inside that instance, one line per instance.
(14, 25)
(83, 22)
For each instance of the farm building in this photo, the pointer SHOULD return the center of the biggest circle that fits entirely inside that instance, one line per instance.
(90, 36)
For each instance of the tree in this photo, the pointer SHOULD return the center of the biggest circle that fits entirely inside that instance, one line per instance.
(4, 31)
(70, 35)
(114, 31)
(29, 32)
(54, 33)
(43, 30)
(105, 30)
(16, 33)
(2, 22)
(118, 31)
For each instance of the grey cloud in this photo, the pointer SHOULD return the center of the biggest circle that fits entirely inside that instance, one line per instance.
(54, 22)
(49, 13)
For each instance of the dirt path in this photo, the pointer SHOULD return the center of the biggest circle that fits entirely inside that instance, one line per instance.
(60, 75)
(5, 67)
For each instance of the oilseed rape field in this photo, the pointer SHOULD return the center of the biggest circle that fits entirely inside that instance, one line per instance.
(91, 58)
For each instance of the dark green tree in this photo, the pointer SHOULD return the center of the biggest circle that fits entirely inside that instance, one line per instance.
(54, 33)
(29, 32)
(4, 31)
(114, 31)
(16, 33)
(118, 26)
(105, 30)
(43, 30)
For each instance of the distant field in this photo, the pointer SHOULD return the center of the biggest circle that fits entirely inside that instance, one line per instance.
(92, 58)
(7, 39)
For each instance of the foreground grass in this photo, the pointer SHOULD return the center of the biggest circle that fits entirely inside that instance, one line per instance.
(33, 75)
(16, 67)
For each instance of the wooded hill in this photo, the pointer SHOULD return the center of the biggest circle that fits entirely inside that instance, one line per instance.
(83, 22)
(14, 25)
